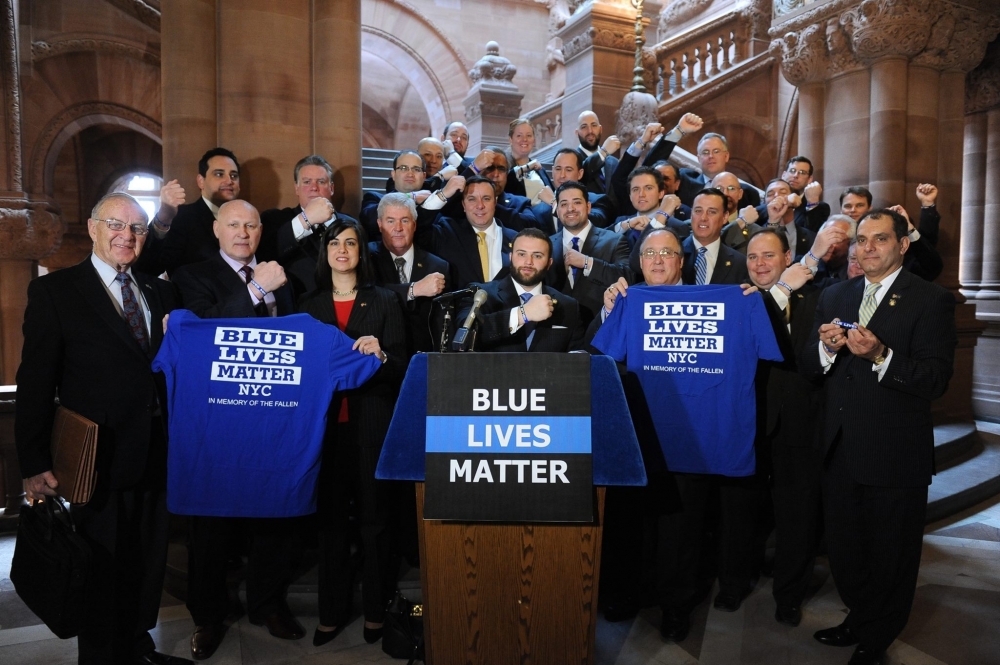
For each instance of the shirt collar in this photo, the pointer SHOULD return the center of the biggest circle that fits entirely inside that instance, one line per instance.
(536, 290)
(490, 230)
(211, 206)
(582, 235)
(712, 247)
(107, 273)
(407, 255)
(886, 282)
(236, 265)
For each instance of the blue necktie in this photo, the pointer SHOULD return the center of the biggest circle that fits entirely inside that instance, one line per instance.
(701, 266)
(132, 311)
(530, 325)
(576, 271)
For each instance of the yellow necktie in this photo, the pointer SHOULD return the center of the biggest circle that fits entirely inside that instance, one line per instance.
(484, 257)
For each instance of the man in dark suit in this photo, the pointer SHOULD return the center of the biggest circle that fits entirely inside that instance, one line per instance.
(788, 406)
(85, 328)
(598, 161)
(415, 275)
(567, 165)
(232, 284)
(810, 212)
(706, 259)
(513, 211)
(654, 209)
(477, 248)
(183, 234)
(520, 312)
(455, 139)
(741, 224)
(781, 214)
(297, 231)
(879, 381)
(587, 259)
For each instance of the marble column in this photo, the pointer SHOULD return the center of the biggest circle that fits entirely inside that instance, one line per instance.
(812, 99)
(970, 267)
(989, 285)
(887, 132)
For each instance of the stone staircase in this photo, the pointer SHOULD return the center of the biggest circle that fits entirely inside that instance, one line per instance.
(967, 456)
(376, 166)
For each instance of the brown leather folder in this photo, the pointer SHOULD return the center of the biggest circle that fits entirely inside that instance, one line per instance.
(74, 449)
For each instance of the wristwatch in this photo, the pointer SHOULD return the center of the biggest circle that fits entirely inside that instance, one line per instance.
(880, 358)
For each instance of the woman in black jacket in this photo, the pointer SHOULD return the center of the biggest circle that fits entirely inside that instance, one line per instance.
(356, 426)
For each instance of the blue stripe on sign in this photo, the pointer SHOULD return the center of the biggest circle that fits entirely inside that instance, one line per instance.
(547, 435)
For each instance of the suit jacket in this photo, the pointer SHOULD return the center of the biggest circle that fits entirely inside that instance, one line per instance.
(424, 327)
(809, 219)
(884, 427)
(77, 346)
(923, 259)
(737, 238)
(730, 266)
(635, 238)
(609, 251)
(804, 238)
(297, 256)
(190, 239)
(597, 171)
(560, 333)
(515, 212)
(693, 181)
(213, 290)
(602, 212)
(455, 241)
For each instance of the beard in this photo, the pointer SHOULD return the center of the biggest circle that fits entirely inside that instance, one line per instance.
(590, 146)
(527, 283)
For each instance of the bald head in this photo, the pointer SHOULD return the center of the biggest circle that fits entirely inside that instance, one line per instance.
(432, 150)
(588, 130)
(730, 186)
(238, 229)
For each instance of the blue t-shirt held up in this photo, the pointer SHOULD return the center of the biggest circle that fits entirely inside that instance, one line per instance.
(247, 405)
(695, 351)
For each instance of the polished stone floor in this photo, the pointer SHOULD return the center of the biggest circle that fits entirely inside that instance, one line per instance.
(955, 619)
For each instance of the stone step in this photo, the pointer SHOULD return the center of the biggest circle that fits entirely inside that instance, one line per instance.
(971, 476)
(952, 443)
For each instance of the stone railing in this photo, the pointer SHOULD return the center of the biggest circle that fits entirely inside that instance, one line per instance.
(546, 120)
(701, 54)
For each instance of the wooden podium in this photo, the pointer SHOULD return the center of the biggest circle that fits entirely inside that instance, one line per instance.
(526, 593)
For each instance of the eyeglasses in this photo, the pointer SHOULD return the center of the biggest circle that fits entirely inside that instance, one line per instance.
(662, 253)
(408, 169)
(797, 172)
(117, 225)
(729, 188)
(716, 151)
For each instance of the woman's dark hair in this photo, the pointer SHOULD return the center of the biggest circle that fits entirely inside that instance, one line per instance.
(365, 271)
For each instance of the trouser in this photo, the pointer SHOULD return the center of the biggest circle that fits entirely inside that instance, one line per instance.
(796, 491)
(273, 549)
(127, 530)
(681, 532)
(874, 538)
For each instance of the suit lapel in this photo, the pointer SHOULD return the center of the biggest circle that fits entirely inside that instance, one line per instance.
(94, 292)
(885, 308)
(687, 271)
(363, 303)
(419, 268)
(723, 266)
(156, 311)
(506, 245)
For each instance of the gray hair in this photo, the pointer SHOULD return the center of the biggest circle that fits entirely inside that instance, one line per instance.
(397, 200)
(313, 160)
(713, 135)
(113, 196)
(852, 226)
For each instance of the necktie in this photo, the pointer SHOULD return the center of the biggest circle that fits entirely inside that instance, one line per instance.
(400, 265)
(260, 309)
(530, 325)
(701, 266)
(132, 311)
(788, 312)
(868, 303)
(484, 257)
(576, 271)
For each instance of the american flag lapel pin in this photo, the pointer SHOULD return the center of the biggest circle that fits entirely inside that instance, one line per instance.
(893, 298)
(729, 263)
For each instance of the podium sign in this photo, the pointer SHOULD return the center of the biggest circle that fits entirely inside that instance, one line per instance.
(508, 438)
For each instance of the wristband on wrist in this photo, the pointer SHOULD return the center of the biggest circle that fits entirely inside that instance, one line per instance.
(304, 218)
(660, 212)
(440, 195)
(157, 222)
(524, 316)
(812, 256)
(642, 144)
(680, 131)
(790, 289)
(474, 169)
(832, 352)
(411, 296)
(260, 288)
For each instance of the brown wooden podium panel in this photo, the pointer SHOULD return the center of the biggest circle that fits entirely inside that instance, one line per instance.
(499, 593)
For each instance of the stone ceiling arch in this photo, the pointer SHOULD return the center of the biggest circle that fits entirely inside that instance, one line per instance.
(394, 29)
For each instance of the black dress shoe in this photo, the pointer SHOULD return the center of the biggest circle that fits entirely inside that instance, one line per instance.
(321, 637)
(282, 625)
(789, 615)
(675, 626)
(838, 636)
(621, 611)
(157, 658)
(865, 656)
(373, 635)
(729, 602)
(206, 639)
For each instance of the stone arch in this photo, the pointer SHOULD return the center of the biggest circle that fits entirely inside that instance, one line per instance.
(437, 70)
(73, 120)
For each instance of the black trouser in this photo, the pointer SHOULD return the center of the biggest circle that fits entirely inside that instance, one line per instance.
(127, 530)
(796, 490)
(681, 533)
(874, 538)
(348, 473)
(270, 565)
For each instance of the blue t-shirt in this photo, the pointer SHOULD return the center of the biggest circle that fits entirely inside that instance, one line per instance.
(695, 350)
(248, 401)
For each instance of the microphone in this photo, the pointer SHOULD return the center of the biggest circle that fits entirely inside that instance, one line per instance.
(445, 297)
(458, 343)
(522, 170)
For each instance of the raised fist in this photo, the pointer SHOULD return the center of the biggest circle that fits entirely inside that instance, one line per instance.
(750, 214)
(689, 122)
(927, 194)
(171, 196)
(539, 308)
(270, 275)
(813, 192)
(612, 144)
(429, 286)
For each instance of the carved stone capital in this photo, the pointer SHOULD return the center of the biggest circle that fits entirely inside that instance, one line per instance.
(502, 109)
(28, 230)
(493, 68)
(982, 84)
(41, 50)
(887, 28)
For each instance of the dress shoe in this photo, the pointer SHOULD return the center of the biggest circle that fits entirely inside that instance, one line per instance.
(373, 635)
(622, 611)
(157, 658)
(282, 625)
(321, 637)
(865, 656)
(675, 626)
(729, 602)
(789, 615)
(206, 639)
(838, 636)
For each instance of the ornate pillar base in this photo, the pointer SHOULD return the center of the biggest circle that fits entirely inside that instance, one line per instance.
(493, 101)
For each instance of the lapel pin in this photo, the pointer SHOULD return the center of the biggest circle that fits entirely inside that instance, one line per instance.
(893, 298)
(729, 263)
(420, 265)
(363, 304)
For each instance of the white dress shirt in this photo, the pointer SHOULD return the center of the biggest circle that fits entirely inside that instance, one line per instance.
(109, 277)
(568, 236)
(515, 312)
(711, 256)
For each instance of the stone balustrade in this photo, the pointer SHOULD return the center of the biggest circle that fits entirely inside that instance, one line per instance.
(547, 121)
(699, 55)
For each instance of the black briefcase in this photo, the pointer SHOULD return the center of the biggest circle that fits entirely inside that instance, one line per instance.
(50, 566)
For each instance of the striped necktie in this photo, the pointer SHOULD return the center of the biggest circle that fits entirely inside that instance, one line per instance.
(132, 311)
(401, 269)
(530, 325)
(868, 303)
(701, 266)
